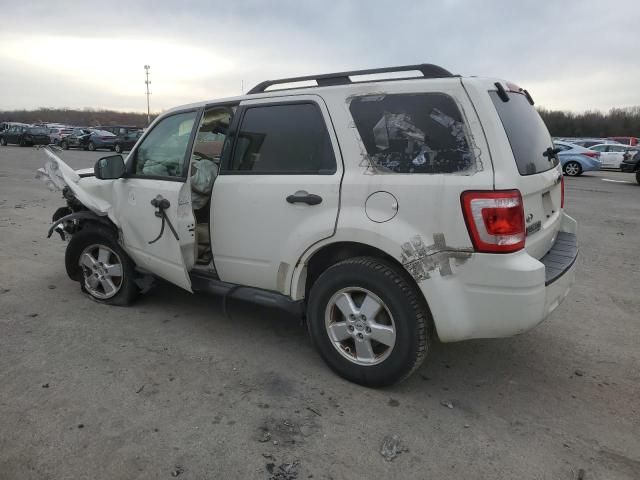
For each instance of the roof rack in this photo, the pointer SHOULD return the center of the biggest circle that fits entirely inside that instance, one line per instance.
(343, 78)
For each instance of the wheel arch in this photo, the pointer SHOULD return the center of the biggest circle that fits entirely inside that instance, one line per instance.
(330, 254)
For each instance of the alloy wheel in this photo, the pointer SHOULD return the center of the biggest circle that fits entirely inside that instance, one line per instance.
(360, 326)
(102, 271)
(572, 169)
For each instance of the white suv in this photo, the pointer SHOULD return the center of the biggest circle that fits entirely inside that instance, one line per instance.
(385, 211)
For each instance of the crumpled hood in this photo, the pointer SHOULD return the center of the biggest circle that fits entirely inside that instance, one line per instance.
(56, 174)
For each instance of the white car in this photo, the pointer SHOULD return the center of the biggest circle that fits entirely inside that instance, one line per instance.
(611, 154)
(387, 212)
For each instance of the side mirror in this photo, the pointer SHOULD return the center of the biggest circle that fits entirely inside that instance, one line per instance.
(109, 168)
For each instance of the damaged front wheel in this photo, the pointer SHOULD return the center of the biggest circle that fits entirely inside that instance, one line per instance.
(102, 267)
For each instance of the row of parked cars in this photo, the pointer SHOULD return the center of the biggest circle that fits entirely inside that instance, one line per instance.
(579, 155)
(118, 138)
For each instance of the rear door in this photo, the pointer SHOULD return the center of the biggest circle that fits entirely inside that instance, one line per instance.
(522, 160)
(278, 190)
(616, 155)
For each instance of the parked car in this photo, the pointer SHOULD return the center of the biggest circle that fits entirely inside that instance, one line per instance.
(611, 155)
(631, 141)
(378, 210)
(6, 125)
(25, 136)
(58, 133)
(631, 163)
(125, 142)
(88, 139)
(576, 160)
(590, 142)
(119, 129)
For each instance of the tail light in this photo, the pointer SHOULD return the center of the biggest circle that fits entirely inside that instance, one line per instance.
(592, 154)
(562, 192)
(495, 220)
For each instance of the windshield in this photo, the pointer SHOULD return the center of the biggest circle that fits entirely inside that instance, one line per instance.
(527, 133)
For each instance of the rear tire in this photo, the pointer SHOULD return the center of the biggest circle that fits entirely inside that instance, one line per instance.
(3, 142)
(64, 145)
(387, 309)
(105, 272)
(638, 177)
(572, 169)
(91, 147)
(117, 148)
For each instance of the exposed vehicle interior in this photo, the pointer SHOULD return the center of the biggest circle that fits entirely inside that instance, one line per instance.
(205, 164)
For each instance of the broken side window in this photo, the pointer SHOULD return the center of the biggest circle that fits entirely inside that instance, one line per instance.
(413, 133)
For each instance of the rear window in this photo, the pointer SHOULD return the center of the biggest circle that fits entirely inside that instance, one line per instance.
(38, 131)
(527, 133)
(413, 133)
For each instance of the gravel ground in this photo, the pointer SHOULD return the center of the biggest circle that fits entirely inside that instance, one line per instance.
(171, 388)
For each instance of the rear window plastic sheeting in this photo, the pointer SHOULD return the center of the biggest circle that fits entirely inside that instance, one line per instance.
(527, 133)
(413, 133)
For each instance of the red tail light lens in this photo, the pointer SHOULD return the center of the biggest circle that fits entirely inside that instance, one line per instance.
(495, 220)
(562, 192)
(592, 154)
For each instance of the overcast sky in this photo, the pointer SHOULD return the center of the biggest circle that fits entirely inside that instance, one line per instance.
(574, 55)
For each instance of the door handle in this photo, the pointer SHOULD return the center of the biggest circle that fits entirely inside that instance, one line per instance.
(301, 196)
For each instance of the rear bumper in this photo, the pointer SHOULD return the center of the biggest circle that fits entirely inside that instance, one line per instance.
(494, 295)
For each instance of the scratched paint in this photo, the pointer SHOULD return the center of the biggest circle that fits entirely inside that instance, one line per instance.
(421, 260)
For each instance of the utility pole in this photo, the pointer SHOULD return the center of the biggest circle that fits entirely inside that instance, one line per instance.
(148, 82)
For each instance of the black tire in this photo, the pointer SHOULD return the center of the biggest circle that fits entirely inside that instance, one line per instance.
(572, 169)
(22, 143)
(64, 145)
(638, 177)
(91, 146)
(411, 319)
(118, 148)
(3, 142)
(97, 235)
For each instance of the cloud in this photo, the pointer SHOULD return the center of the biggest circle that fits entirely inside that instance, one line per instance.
(577, 55)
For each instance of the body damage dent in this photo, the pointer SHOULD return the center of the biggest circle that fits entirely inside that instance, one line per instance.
(420, 259)
(56, 174)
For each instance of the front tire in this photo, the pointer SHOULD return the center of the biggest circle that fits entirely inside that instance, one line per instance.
(91, 146)
(64, 145)
(368, 321)
(638, 177)
(3, 142)
(118, 148)
(572, 169)
(105, 272)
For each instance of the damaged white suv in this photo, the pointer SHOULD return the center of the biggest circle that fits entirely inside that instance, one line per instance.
(385, 211)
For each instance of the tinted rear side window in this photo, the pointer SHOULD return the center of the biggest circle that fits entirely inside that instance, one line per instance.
(283, 139)
(527, 133)
(413, 133)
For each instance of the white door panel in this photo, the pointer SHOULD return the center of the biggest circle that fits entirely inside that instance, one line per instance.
(255, 229)
(140, 226)
(257, 235)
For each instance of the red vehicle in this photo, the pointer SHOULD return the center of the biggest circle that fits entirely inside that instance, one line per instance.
(633, 141)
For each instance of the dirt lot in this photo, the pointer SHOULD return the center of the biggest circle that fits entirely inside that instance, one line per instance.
(171, 388)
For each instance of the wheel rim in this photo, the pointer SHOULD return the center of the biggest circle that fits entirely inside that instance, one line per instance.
(572, 169)
(92, 147)
(102, 271)
(360, 326)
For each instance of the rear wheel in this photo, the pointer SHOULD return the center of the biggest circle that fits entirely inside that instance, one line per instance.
(3, 142)
(118, 148)
(91, 147)
(638, 177)
(64, 145)
(102, 267)
(573, 169)
(368, 322)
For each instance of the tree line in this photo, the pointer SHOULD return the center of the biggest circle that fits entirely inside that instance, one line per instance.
(86, 117)
(616, 122)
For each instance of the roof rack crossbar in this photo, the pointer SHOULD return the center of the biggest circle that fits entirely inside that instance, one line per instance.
(343, 78)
